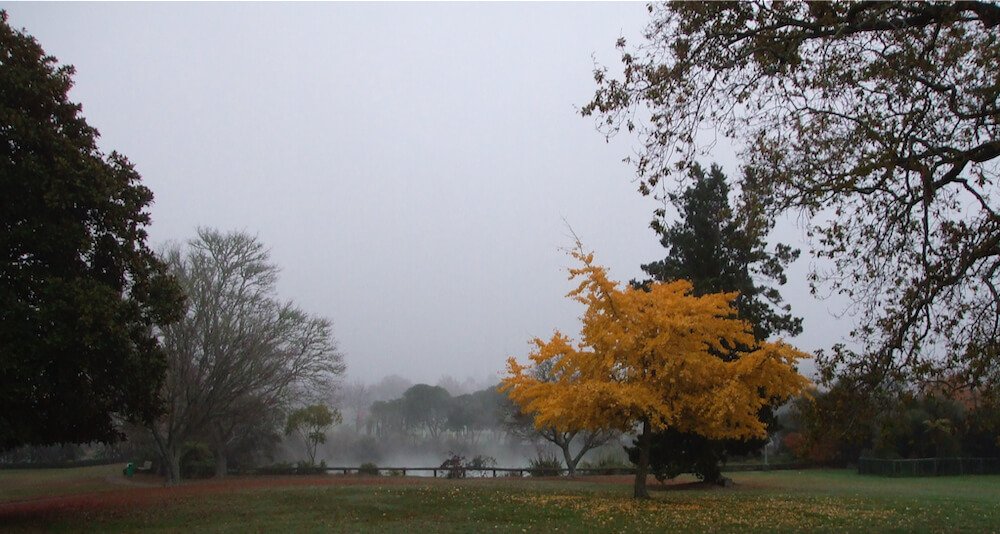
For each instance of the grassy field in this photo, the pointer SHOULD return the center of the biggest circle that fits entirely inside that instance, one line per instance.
(99, 498)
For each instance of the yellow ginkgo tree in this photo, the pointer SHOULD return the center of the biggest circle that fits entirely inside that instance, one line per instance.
(645, 362)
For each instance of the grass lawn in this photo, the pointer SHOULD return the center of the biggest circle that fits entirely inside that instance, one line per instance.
(21, 484)
(786, 501)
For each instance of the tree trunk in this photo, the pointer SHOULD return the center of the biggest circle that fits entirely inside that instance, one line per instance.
(220, 438)
(311, 451)
(570, 463)
(173, 467)
(642, 468)
(221, 463)
(171, 457)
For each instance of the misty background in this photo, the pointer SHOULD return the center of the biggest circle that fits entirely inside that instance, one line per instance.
(412, 167)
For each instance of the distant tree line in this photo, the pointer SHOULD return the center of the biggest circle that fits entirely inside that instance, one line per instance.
(839, 425)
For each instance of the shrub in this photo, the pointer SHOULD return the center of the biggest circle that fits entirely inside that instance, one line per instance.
(455, 466)
(544, 466)
(607, 464)
(796, 443)
(307, 468)
(197, 461)
(368, 468)
(280, 468)
(481, 461)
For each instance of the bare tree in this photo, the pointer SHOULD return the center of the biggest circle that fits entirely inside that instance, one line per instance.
(239, 354)
(878, 123)
(357, 397)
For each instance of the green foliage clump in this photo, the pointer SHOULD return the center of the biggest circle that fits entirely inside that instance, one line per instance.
(311, 424)
(545, 466)
(197, 460)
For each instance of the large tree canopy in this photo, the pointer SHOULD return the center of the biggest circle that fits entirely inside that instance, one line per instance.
(80, 291)
(238, 356)
(647, 358)
(878, 122)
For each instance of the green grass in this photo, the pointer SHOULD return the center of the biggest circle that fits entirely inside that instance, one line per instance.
(20, 484)
(788, 501)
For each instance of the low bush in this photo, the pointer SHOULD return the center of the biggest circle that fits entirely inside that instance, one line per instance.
(197, 461)
(607, 464)
(455, 466)
(481, 461)
(544, 466)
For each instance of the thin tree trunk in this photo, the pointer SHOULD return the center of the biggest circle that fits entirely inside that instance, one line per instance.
(642, 468)
(311, 451)
(221, 463)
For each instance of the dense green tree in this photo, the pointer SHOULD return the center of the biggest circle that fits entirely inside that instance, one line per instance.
(982, 438)
(878, 124)
(426, 407)
(80, 291)
(473, 413)
(386, 419)
(719, 253)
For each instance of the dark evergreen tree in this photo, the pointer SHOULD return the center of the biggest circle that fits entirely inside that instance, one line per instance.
(717, 252)
(80, 291)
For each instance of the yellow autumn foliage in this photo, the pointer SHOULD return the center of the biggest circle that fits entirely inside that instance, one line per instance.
(646, 356)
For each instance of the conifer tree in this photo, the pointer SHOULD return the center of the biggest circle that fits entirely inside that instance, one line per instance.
(717, 252)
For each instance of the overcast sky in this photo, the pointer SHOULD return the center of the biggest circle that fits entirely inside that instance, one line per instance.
(409, 165)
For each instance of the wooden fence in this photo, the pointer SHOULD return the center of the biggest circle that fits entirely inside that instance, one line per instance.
(494, 472)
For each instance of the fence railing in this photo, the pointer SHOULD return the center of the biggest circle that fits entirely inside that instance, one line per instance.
(928, 467)
(436, 471)
(494, 472)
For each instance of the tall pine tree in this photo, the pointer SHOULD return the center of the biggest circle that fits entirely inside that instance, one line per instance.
(717, 252)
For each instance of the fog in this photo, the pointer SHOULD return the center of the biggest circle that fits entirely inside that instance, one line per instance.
(357, 440)
(413, 167)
